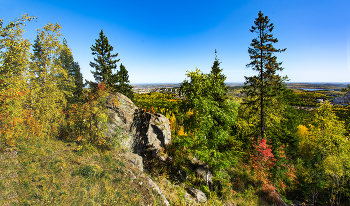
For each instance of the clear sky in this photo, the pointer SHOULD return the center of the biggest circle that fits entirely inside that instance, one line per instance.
(158, 41)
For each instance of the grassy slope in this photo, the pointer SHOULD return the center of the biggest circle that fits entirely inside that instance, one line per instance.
(53, 172)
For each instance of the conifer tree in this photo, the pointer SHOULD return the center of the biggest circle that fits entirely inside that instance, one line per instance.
(36, 58)
(264, 90)
(73, 70)
(123, 85)
(104, 62)
(78, 80)
(218, 81)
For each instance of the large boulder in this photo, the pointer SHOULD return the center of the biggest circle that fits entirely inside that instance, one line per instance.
(138, 130)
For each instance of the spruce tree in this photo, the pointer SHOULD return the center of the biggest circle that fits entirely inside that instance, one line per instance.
(104, 62)
(219, 91)
(38, 53)
(264, 90)
(123, 85)
(78, 80)
(73, 70)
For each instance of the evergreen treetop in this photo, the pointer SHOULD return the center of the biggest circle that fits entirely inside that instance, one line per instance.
(219, 91)
(123, 85)
(104, 62)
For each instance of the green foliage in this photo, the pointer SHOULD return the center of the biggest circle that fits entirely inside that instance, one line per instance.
(212, 118)
(309, 163)
(343, 113)
(325, 153)
(123, 85)
(104, 63)
(306, 99)
(158, 101)
(16, 120)
(346, 89)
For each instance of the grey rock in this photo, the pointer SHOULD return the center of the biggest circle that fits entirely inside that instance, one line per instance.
(189, 199)
(196, 193)
(205, 174)
(154, 186)
(138, 130)
(131, 174)
(135, 159)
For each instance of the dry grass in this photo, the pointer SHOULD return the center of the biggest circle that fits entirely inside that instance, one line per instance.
(52, 172)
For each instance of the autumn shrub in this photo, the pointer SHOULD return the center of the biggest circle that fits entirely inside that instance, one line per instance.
(86, 122)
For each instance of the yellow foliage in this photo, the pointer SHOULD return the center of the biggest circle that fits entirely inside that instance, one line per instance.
(302, 131)
(181, 131)
(172, 121)
(189, 113)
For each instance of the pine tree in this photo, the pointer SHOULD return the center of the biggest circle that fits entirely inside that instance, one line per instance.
(78, 80)
(104, 62)
(73, 70)
(264, 90)
(123, 85)
(36, 58)
(218, 81)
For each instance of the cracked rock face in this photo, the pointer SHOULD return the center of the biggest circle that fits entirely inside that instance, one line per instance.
(138, 130)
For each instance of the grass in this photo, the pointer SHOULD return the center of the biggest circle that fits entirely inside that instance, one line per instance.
(53, 172)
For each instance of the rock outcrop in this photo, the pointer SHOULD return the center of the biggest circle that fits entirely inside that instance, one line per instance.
(134, 159)
(138, 130)
(204, 173)
(199, 195)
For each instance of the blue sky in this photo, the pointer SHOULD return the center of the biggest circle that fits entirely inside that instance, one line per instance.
(158, 41)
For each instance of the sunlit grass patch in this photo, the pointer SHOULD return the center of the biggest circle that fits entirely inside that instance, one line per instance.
(54, 172)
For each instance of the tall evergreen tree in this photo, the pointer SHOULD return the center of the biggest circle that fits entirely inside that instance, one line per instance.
(123, 85)
(264, 90)
(78, 80)
(104, 62)
(73, 70)
(38, 53)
